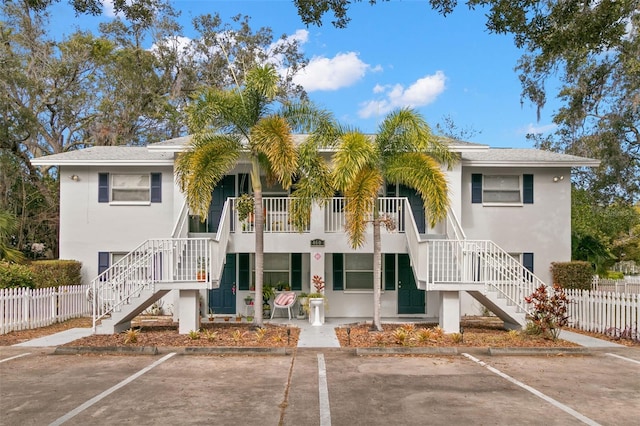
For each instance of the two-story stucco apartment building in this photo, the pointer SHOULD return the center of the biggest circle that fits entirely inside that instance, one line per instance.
(124, 217)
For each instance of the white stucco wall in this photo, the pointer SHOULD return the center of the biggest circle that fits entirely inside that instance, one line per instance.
(542, 228)
(88, 227)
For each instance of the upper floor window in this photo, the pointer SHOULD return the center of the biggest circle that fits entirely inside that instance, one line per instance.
(502, 189)
(130, 188)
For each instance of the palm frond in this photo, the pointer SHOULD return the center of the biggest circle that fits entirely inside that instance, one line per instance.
(272, 137)
(360, 198)
(264, 81)
(355, 152)
(306, 118)
(423, 173)
(201, 168)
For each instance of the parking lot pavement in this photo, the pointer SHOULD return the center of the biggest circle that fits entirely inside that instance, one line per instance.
(324, 387)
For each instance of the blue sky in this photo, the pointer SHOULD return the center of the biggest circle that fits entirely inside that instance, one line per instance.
(393, 54)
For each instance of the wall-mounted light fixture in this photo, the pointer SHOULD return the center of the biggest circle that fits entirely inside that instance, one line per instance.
(74, 178)
(558, 178)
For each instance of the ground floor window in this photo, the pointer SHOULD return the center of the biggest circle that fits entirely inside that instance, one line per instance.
(358, 271)
(276, 268)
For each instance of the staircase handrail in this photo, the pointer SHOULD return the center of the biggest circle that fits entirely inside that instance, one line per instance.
(417, 248)
(456, 226)
(118, 281)
(181, 227)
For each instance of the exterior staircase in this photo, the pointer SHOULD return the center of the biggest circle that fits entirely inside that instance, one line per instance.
(154, 268)
(479, 267)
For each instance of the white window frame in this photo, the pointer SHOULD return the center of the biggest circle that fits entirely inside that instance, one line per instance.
(124, 189)
(268, 269)
(489, 187)
(348, 271)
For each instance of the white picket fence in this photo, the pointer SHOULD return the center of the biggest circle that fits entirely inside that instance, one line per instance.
(599, 311)
(25, 308)
(626, 285)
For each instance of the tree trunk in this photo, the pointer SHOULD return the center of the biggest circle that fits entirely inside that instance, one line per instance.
(258, 214)
(377, 269)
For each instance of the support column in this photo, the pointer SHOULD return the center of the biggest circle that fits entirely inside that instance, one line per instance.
(450, 311)
(189, 311)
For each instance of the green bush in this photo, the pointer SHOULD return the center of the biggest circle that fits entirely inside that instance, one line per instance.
(13, 275)
(576, 274)
(614, 275)
(56, 273)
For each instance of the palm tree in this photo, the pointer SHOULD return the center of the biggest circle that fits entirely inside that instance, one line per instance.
(8, 227)
(403, 151)
(228, 123)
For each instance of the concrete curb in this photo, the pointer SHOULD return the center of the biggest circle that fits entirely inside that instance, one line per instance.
(106, 350)
(234, 351)
(540, 351)
(406, 351)
(284, 351)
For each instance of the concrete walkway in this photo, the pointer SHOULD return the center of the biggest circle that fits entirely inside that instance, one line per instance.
(58, 339)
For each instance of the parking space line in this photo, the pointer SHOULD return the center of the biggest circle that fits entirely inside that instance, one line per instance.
(323, 393)
(71, 414)
(537, 393)
(14, 357)
(624, 358)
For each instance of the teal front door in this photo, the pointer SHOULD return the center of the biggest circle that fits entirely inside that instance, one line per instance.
(416, 204)
(226, 188)
(222, 300)
(411, 300)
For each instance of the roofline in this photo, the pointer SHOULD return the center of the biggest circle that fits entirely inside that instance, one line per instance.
(43, 161)
(527, 163)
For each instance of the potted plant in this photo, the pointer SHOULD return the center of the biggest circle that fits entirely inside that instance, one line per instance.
(201, 274)
(211, 317)
(248, 300)
(244, 206)
(238, 317)
(302, 302)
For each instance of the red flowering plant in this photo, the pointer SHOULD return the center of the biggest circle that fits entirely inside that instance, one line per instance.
(318, 283)
(549, 313)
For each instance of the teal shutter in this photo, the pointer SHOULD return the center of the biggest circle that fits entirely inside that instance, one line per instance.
(103, 187)
(156, 187)
(296, 271)
(244, 281)
(389, 271)
(338, 271)
(527, 261)
(476, 188)
(104, 260)
(244, 183)
(527, 189)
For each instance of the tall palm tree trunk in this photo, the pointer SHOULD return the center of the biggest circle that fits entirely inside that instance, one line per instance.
(259, 235)
(377, 268)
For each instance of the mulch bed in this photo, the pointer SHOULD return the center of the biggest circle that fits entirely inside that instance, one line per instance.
(163, 332)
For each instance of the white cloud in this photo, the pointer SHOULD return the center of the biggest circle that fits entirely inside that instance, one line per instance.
(423, 92)
(532, 129)
(324, 73)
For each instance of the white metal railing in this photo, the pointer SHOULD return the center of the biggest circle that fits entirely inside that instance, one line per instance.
(418, 250)
(181, 227)
(276, 216)
(454, 228)
(482, 262)
(388, 207)
(154, 261)
(601, 311)
(24, 308)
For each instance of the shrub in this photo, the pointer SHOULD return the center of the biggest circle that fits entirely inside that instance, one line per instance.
(577, 274)
(13, 275)
(56, 273)
(549, 310)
